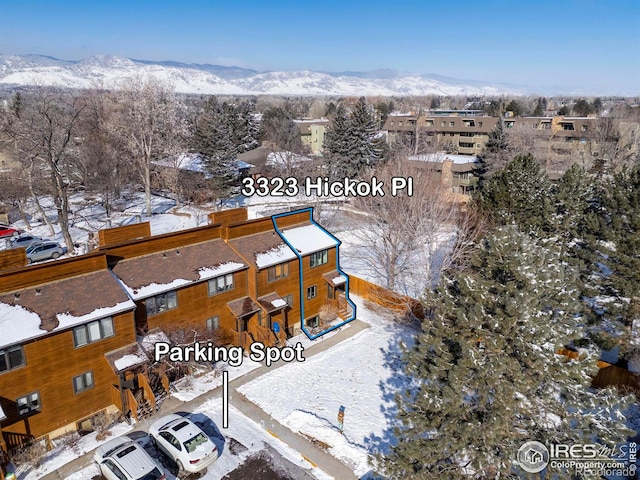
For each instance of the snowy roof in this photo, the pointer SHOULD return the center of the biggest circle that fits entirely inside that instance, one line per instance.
(309, 238)
(39, 310)
(282, 159)
(281, 253)
(193, 162)
(335, 278)
(263, 249)
(272, 302)
(161, 272)
(126, 357)
(442, 156)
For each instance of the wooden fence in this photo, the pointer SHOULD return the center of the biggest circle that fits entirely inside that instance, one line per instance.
(384, 297)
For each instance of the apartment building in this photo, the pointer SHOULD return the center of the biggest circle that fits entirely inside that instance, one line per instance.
(557, 141)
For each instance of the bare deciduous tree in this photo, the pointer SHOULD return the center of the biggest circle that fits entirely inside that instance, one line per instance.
(409, 240)
(151, 125)
(43, 132)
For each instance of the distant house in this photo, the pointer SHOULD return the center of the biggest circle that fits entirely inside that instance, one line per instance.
(312, 133)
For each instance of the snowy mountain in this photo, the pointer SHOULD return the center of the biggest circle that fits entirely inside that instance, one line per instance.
(111, 72)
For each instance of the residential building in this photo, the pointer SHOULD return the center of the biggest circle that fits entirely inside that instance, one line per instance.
(312, 133)
(556, 141)
(78, 333)
(56, 332)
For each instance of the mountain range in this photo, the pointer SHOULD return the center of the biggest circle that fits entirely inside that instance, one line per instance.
(111, 72)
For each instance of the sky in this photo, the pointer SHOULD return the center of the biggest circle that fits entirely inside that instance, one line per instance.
(578, 45)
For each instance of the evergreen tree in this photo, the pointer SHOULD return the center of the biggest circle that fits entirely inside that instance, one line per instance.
(520, 194)
(350, 143)
(364, 150)
(564, 110)
(495, 153)
(336, 143)
(621, 218)
(514, 107)
(214, 139)
(246, 128)
(487, 376)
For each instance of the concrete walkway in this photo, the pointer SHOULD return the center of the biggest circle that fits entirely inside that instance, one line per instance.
(311, 452)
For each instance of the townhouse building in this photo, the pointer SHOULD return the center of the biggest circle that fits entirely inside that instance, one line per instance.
(78, 334)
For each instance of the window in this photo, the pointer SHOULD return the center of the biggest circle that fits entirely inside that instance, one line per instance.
(277, 272)
(221, 284)
(161, 303)
(313, 322)
(10, 358)
(114, 468)
(29, 403)
(92, 332)
(429, 123)
(466, 145)
(312, 291)
(289, 300)
(83, 382)
(319, 258)
(469, 123)
(213, 323)
(451, 124)
(584, 128)
(479, 124)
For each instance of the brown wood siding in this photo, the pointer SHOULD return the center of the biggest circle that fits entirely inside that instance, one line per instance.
(313, 276)
(109, 236)
(293, 219)
(248, 228)
(225, 217)
(195, 306)
(166, 241)
(286, 286)
(47, 272)
(13, 258)
(51, 364)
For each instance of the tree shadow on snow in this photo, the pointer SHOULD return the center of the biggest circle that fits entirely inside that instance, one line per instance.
(396, 382)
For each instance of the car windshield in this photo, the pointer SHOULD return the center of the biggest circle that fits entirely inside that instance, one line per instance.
(193, 443)
(155, 474)
(31, 248)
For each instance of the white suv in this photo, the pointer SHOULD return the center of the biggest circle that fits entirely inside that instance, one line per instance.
(123, 459)
(184, 442)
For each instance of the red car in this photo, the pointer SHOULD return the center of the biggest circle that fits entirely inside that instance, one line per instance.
(6, 231)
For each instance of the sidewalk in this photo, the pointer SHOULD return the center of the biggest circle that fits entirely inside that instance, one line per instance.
(317, 456)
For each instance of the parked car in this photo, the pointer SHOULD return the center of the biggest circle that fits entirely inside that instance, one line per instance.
(44, 251)
(7, 231)
(184, 442)
(25, 241)
(123, 459)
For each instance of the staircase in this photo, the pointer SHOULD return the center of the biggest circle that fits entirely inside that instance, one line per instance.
(145, 409)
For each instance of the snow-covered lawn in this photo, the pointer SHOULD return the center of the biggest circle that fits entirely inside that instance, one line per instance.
(362, 374)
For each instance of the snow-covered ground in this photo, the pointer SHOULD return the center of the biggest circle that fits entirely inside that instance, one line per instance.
(243, 438)
(362, 374)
